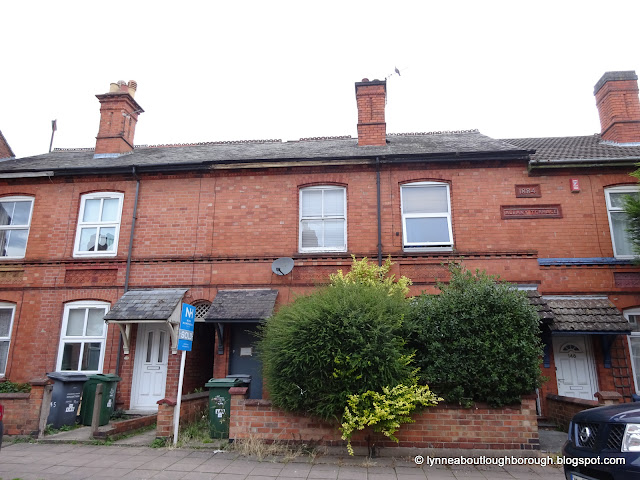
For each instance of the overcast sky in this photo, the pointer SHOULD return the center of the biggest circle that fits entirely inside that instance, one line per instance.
(210, 71)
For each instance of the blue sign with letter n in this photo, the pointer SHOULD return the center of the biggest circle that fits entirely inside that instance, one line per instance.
(187, 323)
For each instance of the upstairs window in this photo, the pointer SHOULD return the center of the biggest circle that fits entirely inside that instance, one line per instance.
(82, 338)
(323, 220)
(618, 220)
(98, 224)
(426, 216)
(15, 219)
(7, 311)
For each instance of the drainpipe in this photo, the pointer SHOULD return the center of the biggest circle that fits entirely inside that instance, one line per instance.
(379, 214)
(128, 271)
(133, 227)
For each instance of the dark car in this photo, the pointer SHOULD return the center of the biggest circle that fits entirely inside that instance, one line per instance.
(604, 444)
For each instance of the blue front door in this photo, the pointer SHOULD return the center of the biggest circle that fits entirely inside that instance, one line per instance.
(243, 359)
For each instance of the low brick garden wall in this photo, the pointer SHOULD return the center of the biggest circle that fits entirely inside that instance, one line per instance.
(22, 410)
(192, 407)
(560, 410)
(445, 426)
(116, 428)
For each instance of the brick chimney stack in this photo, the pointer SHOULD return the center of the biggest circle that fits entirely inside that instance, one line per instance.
(118, 117)
(618, 105)
(371, 97)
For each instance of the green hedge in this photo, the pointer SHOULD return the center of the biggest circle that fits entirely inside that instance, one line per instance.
(343, 339)
(478, 340)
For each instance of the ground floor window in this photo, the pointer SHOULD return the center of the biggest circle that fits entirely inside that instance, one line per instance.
(633, 316)
(82, 338)
(7, 311)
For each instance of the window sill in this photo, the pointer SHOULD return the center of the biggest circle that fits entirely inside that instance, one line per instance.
(307, 252)
(547, 262)
(426, 249)
(93, 255)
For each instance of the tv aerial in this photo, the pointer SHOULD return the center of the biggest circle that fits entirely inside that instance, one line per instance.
(282, 266)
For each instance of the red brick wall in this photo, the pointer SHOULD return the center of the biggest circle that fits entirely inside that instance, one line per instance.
(192, 408)
(125, 426)
(22, 410)
(223, 230)
(560, 410)
(445, 426)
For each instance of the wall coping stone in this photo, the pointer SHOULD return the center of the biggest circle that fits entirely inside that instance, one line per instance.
(575, 401)
(608, 396)
(238, 390)
(194, 396)
(14, 396)
(40, 381)
(171, 401)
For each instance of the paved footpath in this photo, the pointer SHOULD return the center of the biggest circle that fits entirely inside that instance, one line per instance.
(33, 461)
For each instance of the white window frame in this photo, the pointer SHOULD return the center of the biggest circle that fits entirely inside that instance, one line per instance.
(114, 224)
(102, 339)
(426, 246)
(634, 335)
(26, 226)
(322, 218)
(608, 191)
(7, 339)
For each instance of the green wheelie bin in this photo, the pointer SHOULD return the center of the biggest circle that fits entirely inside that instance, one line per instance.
(110, 382)
(220, 404)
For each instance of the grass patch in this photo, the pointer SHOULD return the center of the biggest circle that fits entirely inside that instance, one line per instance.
(49, 430)
(282, 451)
(195, 433)
(159, 443)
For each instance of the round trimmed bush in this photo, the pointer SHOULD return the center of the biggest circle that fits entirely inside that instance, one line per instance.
(478, 340)
(343, 339)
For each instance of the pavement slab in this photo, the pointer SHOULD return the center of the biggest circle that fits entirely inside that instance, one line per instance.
(36, 461)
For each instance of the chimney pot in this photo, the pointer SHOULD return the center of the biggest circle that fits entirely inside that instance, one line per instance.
(133, 86)
(618, 106)
(118, 118)
(371, 100)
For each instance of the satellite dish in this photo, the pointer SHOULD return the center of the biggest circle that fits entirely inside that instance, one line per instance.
(282, 266)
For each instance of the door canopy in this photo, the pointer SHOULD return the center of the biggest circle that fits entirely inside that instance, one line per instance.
(147, 306)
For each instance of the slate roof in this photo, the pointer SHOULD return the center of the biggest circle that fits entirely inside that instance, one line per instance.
(579, 314)
(439, 146)
(544, 312)
(585, 149)
(242, 305)
(146, 304)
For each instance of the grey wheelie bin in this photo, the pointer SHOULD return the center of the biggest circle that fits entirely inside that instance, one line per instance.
(65, 397)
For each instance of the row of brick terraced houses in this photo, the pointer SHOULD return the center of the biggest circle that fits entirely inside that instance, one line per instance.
(127, 233)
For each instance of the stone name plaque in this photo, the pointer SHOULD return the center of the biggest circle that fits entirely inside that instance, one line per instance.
(530, 211)
(528, 191)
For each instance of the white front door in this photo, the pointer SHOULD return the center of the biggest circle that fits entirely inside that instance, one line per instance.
(575, 367)
(150, 366)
